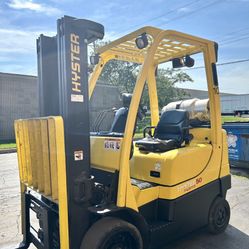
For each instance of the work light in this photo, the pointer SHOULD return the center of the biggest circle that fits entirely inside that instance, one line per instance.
(177, 62)
(142, 41)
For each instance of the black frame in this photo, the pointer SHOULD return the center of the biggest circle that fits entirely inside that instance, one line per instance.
(47, 213)
(58, 74)
(47, 64)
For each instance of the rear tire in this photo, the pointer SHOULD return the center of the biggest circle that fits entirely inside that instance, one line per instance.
(112, 233)
(219, 216)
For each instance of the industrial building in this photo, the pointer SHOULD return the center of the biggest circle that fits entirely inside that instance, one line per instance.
(231, 104)
(235, 104)
(19, 99)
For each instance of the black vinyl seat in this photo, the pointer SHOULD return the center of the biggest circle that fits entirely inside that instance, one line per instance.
(172, 130)
(119, 122)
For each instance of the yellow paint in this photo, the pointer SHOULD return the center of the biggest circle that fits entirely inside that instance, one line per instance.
(174, 166)
(20, 150)
(53, 158)
(42, 167)
(46, 157)
(103, 158)
(146, 195)
(153, 96)
(38, 154)
(225, 168)
(33, 151)
(206, 150)
(40, 142)
(37, 147)
(27, 153)
(62, 181)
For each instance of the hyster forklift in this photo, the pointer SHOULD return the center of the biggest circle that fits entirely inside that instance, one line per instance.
(106, 190)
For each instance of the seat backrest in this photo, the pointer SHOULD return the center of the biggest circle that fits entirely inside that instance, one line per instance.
(119, 121)
(173, 124)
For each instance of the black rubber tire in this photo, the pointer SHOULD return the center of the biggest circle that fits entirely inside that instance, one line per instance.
(219, 216)
(112, 233)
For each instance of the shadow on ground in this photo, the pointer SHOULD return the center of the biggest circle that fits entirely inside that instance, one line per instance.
(232, 238)
(240, 172)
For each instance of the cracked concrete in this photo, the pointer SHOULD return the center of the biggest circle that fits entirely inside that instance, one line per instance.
(9, 202)
(235, 237)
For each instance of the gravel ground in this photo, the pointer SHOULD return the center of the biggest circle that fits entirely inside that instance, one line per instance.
(235, 237)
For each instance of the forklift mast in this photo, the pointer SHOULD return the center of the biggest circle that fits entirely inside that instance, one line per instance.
(63, 91)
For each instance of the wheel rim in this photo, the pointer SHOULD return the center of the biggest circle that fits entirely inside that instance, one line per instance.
(121, 241)
(221, 216)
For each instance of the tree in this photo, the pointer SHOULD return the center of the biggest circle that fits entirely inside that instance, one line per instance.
(124, 74)
(121, 74)
(166, 85)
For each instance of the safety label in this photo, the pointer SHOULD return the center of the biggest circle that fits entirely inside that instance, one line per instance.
(77, 98)
(78, 155)
(112, 144)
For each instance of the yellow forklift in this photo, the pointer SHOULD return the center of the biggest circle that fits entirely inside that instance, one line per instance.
(105, 190)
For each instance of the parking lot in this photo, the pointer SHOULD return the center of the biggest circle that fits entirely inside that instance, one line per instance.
(235, 237)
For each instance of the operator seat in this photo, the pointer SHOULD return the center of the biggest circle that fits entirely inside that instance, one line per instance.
(120, 118)
(119, 122)
(172, 130)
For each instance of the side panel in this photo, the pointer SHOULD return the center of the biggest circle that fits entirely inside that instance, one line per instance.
(172, 167)
(181, 215)
(184, 170)
(189, 212)
(105, 152)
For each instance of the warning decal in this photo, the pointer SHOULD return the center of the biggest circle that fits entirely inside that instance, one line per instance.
(78, 155)
(112, 144)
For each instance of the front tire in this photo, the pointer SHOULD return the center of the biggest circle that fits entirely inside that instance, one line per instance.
(219, 216)
(112, 233)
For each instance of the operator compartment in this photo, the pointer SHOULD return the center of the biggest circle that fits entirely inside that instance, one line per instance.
(108, 143)
(169, 156)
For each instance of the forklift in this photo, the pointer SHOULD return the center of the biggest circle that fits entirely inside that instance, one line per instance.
(106, 190)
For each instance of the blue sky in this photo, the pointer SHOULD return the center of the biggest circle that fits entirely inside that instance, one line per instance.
(225, 21)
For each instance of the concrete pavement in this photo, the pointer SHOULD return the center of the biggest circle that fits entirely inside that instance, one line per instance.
(235, 237)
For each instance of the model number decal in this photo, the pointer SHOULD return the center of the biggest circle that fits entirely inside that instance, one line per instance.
(188, 186)
(112, 144)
